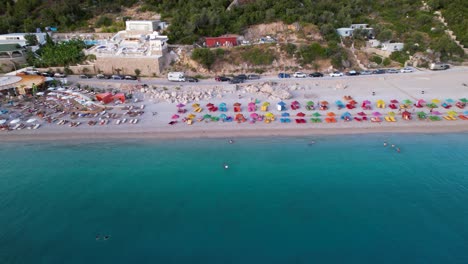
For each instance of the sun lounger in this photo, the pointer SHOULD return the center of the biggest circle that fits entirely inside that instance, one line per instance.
(392, 119)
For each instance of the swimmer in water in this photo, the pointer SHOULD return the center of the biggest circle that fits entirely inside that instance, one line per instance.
(97, 237)
(393, 145)
(398, 150)
(311, 142)
(106, 237)
(231, 141)
(226, 166)
(385, 143)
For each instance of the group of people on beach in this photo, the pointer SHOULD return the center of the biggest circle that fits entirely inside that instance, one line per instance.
(393, 146)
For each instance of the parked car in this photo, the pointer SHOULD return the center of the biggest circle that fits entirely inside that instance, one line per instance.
(116, 77)
(47, 74)
(191, 79)
(284, 75)
(336, 74)
(85, 76)
(102, 76)
(222, 79)
(406, 70)
(130, 77)
(352, 73)
(393, 71)
(241, 76)
(379, 71)
(60, 75)
(365, 72)
(253, 76)
(299, 75)
(236, 80)
(316, 74)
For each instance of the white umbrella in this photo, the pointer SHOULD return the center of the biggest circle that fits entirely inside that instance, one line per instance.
(15, 121)
(31, 120)
(40, 93)
(3, 121)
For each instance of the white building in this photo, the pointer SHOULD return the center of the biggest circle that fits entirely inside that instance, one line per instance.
(391, 47)
(18, 38)
(145, 25)
(345, 32)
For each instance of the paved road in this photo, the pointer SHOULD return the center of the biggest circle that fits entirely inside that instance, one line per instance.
(211, 81)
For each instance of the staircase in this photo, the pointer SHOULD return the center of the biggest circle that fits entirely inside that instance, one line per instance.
(449, 32)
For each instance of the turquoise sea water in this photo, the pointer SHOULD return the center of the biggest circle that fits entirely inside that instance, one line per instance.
(344, 199)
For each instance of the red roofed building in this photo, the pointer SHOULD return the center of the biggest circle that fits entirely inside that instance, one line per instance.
(221, 41)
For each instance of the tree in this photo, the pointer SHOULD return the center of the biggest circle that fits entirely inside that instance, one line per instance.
(31, 39)
(204, 56)
(137, 72)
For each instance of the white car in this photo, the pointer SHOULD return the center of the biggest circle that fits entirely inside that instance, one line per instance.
(336, 74)
(405, 70)
(299, 75)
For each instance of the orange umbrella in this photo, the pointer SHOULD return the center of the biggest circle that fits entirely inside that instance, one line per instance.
(331, 114)
(324, 102)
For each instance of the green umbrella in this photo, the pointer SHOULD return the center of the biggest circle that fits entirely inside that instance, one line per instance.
(207, 116)
(432, 105)
(464, 100)
(310, 103)
(316, 114)
(407, 101)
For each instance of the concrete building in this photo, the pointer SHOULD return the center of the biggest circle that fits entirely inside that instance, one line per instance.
(18, 38)
(11, 57)
(139, 46)
(345, 32)
(391, 47)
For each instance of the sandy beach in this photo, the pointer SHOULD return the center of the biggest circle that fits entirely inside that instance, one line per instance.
(426, 85)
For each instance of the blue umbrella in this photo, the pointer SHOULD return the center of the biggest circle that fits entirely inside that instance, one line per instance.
(450, 101)
(465, 113)
(223, 116)
(285, 114)
(282, 103)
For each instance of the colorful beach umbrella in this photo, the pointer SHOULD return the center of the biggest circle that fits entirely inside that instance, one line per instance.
(300, 114)
(465, 113)
(331, 114)
(450, 100)
(179, 105)
(253, 115)
(207, 116)
(464, 100)
(407, 102)
(209, 105)
(376, 114)
(196, 105)
(266, 104)
(391, 113)
(237, 104)
(452, 113)
(281, 103)
(431, 105)
(361, 114)
(435, 101)
(269, 115)
(223, 116)
(175, 116)
(324, 102)
(310, 103)
(394, 101)
(436, 113)
(316, 114)
(285, 114)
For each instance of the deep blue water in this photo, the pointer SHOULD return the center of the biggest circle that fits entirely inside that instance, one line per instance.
(344, 199)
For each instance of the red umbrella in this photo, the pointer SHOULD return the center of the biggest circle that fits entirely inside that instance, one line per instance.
(175, 116)
(300, 114)
(394, 101)
(361, 114)
(209, 105)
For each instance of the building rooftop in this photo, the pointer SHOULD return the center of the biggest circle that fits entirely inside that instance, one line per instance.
(9, 47)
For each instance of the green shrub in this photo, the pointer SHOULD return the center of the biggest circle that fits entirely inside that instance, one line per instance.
(257, 56)
(376, 59)
(387, 61)
(204, 56)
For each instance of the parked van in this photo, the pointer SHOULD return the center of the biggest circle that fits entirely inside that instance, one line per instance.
(438, 66)
(176, 76)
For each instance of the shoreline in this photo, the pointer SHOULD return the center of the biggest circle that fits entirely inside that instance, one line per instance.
(234, 133)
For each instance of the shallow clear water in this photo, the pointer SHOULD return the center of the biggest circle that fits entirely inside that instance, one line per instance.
(344, 199)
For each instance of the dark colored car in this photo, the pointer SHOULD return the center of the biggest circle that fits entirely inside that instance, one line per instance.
(365, 73)
(85, 76)
(316, 74)
(236, 80)
(284, 75)
(191, 79)
(47, 74)
(241, 76)
(222, 79)
(253, 77)
(130, 77)
(379, 71)
(352, 73)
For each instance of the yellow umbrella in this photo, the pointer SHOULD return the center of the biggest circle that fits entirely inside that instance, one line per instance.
(269, 115)
(266, 104)
(191, 116)
(391, 113)
(435, 101)
(195, 105)
(452, 113)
